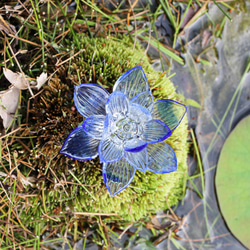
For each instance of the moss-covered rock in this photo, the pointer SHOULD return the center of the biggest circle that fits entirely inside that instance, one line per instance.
(53, 116)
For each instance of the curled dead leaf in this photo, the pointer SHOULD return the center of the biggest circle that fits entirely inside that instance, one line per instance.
(19, 80)
(40, 80)
(8, 105)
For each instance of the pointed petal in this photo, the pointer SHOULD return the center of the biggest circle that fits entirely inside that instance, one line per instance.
(161, 158)
(135, 145)
(90, 99)
(138, 160)
(132, 82)
(94, 125)
(117, 104)
(170, 112)
(117, 175)
(139, 113)
(145, 99)
(80, 146)
(110, 150)
(155, 131)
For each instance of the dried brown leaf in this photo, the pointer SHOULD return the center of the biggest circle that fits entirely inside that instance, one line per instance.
(155, 222)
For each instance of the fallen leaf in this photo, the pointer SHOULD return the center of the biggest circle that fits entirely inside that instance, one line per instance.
(189, 14)
(17, 9)
(155, 222)
(205, 38)
(17, 79)
(149, 225)
(56, 210)
(41, 80)
(8, 105)
(232, 181)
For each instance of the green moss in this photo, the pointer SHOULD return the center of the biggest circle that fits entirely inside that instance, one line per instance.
(101, 61)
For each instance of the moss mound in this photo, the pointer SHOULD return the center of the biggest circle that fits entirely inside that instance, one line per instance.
(66, 185)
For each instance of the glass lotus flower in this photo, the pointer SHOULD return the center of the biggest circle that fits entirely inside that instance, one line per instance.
(126, 129)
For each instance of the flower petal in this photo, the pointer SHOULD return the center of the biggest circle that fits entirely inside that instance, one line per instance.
(161, 158)
(117, 104)
(80, 146)
(138, 160)
(117, 175)
(90, 99)
(139, 113)
(132, 82)
(145, 99)
(94, 125)
(110, 150)
(155, 131)
(135, 145)
(170, 112)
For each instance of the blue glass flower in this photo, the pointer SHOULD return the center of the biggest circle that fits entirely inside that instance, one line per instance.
(126, 129)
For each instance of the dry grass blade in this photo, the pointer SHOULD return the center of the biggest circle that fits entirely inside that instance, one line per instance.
(7, 27)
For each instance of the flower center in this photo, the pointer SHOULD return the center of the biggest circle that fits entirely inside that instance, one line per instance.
(126, 128)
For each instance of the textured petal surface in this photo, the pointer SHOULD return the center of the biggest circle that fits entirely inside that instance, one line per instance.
(138, 160)
(135, 145)
(170, 112)
(117, 104)
(139, 113)
(90, 99)
(109, 150)
(80, 146)
(117, 175)
(161, 158)
(145, 99)
(93, 125)
(132, 82)
(155, 131)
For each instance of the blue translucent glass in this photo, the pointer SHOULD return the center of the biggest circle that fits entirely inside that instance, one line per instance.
(117, 175)
(139, 113)
(170, 112)
(138, 160)
(155, 131)
(145, 99)
(117, 104)
(135, 145)
(132, 82)
(161, 158)
(125, 128)
(90, 99)
(94, 125)
(80, 146)
(109, 150)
